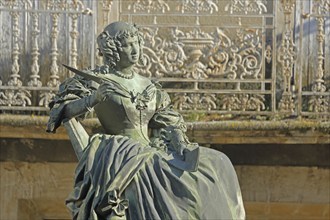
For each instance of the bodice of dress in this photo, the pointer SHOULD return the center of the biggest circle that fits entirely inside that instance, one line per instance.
(126, 112)
(129, 109)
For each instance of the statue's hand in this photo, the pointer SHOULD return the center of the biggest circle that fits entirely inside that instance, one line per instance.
(178, 141)
(102, 92)
(180, 147)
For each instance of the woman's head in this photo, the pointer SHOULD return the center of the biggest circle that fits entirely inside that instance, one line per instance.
(120, 40)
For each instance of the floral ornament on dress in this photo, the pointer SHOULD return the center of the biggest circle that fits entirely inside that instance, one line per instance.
(141, 99)
(115, 204)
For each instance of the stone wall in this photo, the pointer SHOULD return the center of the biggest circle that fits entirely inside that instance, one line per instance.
(38, 191)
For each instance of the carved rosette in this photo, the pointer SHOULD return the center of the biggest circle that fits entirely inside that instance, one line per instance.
(174, 57)
(319, 103)
(287, 56)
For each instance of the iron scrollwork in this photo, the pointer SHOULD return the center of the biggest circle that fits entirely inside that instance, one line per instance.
(246, 6)
(195, 101)
(320, 103)
(149, 6)
(287, 56)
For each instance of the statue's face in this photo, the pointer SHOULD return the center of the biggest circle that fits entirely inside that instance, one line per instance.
(130, 53)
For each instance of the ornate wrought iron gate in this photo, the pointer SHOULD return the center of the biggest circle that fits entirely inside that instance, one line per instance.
(239, 57)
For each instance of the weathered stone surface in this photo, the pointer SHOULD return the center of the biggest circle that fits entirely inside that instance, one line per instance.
(287, 211)
(221, 132)
(23, 184)
(38, 190)
(284, 184)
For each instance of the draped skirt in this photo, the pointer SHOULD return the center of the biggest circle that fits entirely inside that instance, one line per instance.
(118, 178)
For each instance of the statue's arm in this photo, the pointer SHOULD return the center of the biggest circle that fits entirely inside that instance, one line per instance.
(75, 97)
(79, 106)
(73, 100)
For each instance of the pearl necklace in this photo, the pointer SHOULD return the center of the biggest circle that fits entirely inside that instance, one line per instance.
(125, 76)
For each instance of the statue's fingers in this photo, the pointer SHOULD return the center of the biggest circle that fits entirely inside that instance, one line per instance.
(181, 149)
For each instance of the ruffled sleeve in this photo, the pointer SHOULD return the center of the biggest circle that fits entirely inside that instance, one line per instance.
(168, 126)
(71, 89)
(165, 115)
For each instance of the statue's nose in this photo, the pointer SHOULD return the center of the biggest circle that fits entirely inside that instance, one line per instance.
(135, 49)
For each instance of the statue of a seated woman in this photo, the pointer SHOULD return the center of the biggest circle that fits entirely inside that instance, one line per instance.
(128, 172)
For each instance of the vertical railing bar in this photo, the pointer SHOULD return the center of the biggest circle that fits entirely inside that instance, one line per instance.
(81, 47)
(299, 60)
(14, 77)
(327, 49)
(287, 59)
(1, 40)
(25, 20)
(263, 63)
(53, 82)
(94, 27)
(11, 44)
(35, 32)
(99, 6)
(120, 10)
(73, 36)
(68, 42)
(274, 57)
(129, 17)
(318, 103)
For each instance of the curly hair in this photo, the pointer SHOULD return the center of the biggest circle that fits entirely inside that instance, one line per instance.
(110, 45)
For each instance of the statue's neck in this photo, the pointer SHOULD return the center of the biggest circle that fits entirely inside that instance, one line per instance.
(126, 71)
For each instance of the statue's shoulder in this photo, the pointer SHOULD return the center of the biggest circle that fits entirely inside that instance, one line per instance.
(143, 78)
(144, 81)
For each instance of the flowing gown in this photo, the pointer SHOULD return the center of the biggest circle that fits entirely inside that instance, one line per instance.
(124, 174)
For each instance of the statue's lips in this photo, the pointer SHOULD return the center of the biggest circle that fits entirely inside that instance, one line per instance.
(135, 56)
